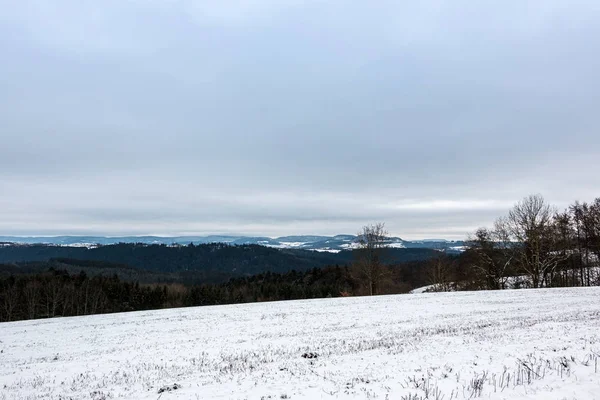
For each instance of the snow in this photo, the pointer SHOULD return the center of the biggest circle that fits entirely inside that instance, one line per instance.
(423, 289)
(513, 344)
(86, 245)
(459, 248)
(288, 245)
(293, 244)
(396, 245)
(356, 245)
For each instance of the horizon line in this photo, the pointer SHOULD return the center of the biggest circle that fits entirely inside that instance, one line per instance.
(163, 236)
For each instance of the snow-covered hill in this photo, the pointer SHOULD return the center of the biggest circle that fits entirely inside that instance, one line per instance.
(520, 344)
(308, 242)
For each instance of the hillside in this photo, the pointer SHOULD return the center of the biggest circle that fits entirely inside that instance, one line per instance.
(305, 242)
(202, 263)
(523, 344)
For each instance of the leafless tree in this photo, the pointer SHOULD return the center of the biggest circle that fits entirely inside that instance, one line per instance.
(439, 273)
(591, 228)
(578, 216)
(565, 275)
(9, 300)
(68, 294)
(494, 254)
(31, 292)
(372, 242)
(531, 225)
(586, 221)
(52, 296)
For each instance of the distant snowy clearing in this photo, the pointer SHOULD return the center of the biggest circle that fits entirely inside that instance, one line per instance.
(517, 344)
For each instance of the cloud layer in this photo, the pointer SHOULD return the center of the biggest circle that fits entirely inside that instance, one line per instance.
(271, 117)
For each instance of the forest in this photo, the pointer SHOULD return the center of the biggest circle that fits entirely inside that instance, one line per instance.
(59, 293)
(192, 264)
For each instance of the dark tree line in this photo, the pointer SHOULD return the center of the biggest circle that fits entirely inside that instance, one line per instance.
(59, 293)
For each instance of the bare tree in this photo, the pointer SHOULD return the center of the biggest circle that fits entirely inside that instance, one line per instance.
(577, 216)
(32, 297)
(594, 223)
(494, 254)
(10, 299)
(530, 223)
(52, 296)
(586, 221)
(439, 273)
(372, 242)
(590, 217)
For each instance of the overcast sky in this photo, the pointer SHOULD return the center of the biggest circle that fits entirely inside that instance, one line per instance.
(280, 117)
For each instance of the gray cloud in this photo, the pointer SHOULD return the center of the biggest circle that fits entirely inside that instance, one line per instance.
(293, 117)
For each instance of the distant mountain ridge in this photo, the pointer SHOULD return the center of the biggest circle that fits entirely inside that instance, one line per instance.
(320, 243)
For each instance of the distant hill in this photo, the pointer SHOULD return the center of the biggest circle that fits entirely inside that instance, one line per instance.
(305, 242)
(216, 262)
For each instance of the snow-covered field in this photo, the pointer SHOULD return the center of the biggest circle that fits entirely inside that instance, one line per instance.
(530, 344)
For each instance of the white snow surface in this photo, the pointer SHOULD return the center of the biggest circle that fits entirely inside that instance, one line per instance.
(293, 244)
(517, 344)
(423, 289)
(459, 248)
(327, 250)
(396, 245)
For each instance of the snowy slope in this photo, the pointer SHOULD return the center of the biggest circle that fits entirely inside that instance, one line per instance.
(520, 344)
